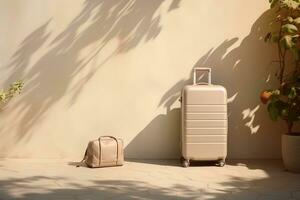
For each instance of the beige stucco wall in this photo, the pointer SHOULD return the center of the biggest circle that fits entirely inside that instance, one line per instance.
(116, 67)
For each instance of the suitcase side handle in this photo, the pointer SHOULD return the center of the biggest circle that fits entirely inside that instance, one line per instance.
(208, 70)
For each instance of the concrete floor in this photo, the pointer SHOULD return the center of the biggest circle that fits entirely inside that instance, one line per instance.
(60, 180)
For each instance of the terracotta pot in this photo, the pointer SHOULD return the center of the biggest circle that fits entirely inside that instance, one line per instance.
(291, 152)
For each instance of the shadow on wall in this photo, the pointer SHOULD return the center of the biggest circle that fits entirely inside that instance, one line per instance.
(159, 139)
(245, 69)
(50, 77)
(271, 183)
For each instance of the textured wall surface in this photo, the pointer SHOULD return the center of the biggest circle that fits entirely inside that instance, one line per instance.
(99, 67)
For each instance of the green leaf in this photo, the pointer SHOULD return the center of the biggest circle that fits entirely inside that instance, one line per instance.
(289, 28)
(14, 88)
(290, 4)
(2, 96)
(285, 113)
(275, 92)
(273, 111)
(276, 109)
(287, 41)
(297, 20)
(290, 19)
(293, 93)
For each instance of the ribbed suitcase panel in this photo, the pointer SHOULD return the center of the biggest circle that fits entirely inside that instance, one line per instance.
(219, 108)
(206, 139)
(206, 131)
(209, 151)
(205, 116)
(205, 123)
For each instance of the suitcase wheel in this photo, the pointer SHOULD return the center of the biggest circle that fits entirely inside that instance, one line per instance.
(185, 163)
(221, 163)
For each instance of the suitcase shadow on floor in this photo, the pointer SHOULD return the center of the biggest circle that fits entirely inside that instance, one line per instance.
(175, 162)
(197, 163)
(165, 162)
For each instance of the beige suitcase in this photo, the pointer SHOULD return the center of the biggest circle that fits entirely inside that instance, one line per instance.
(204, 121)
(106, 151)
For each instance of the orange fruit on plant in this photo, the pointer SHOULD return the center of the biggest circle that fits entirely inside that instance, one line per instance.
(265, 97)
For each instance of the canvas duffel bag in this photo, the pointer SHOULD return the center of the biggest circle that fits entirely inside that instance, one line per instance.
(106, 151)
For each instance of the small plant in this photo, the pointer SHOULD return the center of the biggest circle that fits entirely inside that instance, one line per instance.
(15, 88)
(284, 101)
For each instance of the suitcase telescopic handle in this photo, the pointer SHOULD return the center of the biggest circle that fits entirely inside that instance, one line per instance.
(208, 70)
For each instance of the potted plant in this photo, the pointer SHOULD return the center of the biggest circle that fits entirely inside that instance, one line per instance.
(283, 102)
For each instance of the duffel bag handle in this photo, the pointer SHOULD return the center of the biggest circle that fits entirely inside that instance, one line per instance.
(109, 136)
(208, 70)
